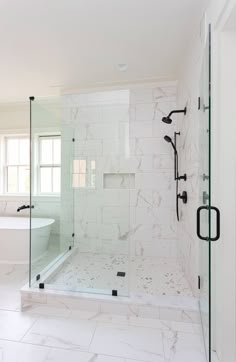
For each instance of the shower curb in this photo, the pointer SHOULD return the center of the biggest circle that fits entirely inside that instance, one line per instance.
(180, 309)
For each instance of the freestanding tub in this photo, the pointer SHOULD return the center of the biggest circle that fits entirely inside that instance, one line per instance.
(15, 236)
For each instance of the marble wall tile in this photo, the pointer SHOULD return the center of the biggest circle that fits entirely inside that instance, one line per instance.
(125, 139)
(142, 129)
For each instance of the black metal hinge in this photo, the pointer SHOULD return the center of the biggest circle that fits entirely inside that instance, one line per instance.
(114, 293)
(41, 285)
(199, 103)
(38, 277)
(199, 282)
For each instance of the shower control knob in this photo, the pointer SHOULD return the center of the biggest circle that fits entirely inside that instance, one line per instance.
(205, 197)
(183, 197)
(205, 177)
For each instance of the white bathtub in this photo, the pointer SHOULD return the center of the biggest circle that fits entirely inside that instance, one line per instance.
(14, 239)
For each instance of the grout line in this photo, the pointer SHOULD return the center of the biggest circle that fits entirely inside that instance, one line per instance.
(95, 329)
(36, 319)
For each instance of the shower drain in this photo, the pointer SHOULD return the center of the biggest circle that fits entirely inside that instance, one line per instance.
(121, 274)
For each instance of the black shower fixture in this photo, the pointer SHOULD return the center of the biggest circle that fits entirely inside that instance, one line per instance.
(183, 197)
(169, 140)
(168, 120)
(177, 177)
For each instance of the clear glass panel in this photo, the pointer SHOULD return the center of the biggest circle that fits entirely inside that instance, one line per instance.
(24, 179)
(46, 151)
(56, 151)
(56, 179)
(24, 151)
(13, 151)
(205, 198)
(52, 224)
(95, 140)
(45, 180)
(12, 179)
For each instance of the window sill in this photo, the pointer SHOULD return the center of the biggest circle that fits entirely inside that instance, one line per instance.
(54, 198)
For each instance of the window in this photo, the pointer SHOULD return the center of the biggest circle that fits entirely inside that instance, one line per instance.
(49, 164)
(84, 172)
(17, 165)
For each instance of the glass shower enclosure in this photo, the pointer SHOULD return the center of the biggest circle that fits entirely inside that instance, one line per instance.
(80, 200)
(208, 216)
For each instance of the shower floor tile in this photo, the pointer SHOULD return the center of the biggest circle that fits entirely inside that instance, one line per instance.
(143, 275)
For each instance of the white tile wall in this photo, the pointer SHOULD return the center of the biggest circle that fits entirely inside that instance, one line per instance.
(123, 132)
(187, 95)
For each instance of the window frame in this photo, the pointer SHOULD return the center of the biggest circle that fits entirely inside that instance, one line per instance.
(5, 164)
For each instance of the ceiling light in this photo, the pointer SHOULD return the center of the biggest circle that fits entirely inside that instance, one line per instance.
(122, 67)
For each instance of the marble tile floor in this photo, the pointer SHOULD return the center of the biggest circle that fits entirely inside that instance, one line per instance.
(45, 335)
(143, 275)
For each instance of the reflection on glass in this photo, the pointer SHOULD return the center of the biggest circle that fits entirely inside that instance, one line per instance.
(46, 152)
(56, 177)
(84, 173)
(56, 151)
(50, 162)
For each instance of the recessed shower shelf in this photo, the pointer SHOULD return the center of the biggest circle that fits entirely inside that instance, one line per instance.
(119, 181)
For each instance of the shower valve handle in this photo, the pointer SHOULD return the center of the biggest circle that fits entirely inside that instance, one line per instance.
(183, 197)
(184, 177)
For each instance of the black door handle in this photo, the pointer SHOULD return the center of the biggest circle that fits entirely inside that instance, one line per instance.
(206, 238)
(217, 223)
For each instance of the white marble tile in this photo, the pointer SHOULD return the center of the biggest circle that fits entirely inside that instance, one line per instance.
(182, 347)
(128, 342)
(9, 298)
(59, 332)
(13, 276)
(14, 325)
(142, 129)
(19, 352)
(102, 358)
(166, 325)
(59, 355)
(179, 315)
(22, 352)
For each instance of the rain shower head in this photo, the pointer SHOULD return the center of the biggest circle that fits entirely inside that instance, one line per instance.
(168, 120)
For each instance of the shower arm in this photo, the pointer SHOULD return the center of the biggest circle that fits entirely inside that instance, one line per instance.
(177, 111)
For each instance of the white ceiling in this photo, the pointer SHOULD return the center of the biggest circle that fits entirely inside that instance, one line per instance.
(78, 43)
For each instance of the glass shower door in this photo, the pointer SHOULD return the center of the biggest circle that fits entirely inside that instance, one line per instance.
(51, 195)
(206, 212)
(81, 182)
